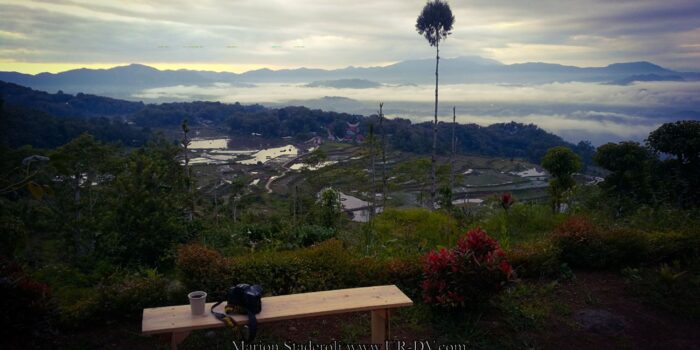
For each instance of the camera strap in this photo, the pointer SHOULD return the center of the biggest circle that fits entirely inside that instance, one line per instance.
(231, 323)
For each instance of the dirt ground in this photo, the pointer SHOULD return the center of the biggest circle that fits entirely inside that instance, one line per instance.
(639, 326)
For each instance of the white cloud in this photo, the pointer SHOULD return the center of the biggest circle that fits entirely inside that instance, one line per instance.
(338, 33)
(574, 110)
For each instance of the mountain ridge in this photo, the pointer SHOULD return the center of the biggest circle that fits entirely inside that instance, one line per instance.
(128, 79)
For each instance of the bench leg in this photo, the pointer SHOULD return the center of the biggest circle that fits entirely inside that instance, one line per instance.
(176, 338)
(380, 326)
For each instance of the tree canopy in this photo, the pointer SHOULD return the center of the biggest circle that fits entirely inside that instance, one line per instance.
(435, 22)
(562, 163)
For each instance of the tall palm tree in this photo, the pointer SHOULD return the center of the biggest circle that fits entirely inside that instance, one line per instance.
(454, 150)
(188, 174)
(383, 148)
(435, 24)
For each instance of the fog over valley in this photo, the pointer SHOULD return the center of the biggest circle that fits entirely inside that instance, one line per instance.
(575, 110)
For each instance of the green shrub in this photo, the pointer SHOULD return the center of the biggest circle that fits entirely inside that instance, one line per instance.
(406, 273)
(623, 247)
(203, 268)
(538, 258)
(522, 222)
(669, 246)
(663, 218)
(327, 265)
(133, 293)
(413, 231)
(585, 245)
(580, 243)
(121, 297)
(306, 235)
(671, 287)
(321, 267)
(14, 233)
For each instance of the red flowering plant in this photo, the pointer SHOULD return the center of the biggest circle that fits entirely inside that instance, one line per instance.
(507, 201)
(471, 272)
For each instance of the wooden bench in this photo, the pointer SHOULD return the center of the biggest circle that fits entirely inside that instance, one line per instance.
(176, 322)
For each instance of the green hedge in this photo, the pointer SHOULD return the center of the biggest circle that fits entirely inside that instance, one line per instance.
(539, 258)
(585, 245)
(325, 266)
(117, 299)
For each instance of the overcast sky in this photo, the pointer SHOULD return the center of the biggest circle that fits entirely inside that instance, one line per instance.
(237, 35)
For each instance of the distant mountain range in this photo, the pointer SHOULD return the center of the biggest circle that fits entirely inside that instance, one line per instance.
(345, 84)
(126, 80)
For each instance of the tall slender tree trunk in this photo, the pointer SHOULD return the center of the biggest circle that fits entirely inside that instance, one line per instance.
(78, 215)
(383, 145)
(185, 144)
(452, 155)
(294, 205)
(216, 204)
(373, 192)
(433, 160)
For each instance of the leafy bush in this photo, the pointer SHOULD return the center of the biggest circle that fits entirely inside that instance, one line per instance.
(583, 244)
(121, 297)
(473, 271)
(522, 222)
(413, 231)
(671, 287)
(670, 246)
(327, 265)
(536, 259)
(580, 243)
(406, 273)
(306, 235)
(662, 218)
(14, 233)
(202, 268)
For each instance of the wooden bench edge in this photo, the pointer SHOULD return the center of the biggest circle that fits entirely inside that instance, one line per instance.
(243, 320)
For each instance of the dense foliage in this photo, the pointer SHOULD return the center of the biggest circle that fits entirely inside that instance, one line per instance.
(666, 171)
(97, 202)
(561, 163)
(328, 265)
(26, 126)
(67, 105)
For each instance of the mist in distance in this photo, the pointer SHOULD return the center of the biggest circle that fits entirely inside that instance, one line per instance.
(576, 110)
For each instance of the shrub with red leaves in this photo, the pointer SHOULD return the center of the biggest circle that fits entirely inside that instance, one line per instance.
(581, 243)
(471, 272)
(507, 201)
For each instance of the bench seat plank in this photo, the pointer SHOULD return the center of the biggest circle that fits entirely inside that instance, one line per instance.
(170, 319)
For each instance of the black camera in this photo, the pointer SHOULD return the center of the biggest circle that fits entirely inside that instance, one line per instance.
(244, 299)
(245, 296)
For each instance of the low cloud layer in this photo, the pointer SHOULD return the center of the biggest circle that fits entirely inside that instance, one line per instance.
(576, 111)
(641, 94)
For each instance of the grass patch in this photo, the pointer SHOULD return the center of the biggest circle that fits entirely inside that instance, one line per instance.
(671, 287)
(527, 306)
